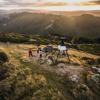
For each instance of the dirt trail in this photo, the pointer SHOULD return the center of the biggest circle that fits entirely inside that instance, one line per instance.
(63, 68)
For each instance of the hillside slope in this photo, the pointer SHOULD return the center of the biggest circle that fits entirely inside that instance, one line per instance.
(85, 25)
(23, 79)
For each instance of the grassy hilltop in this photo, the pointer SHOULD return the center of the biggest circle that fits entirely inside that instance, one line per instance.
(22, 78)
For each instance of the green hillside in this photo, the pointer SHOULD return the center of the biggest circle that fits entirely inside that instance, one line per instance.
(84, 25)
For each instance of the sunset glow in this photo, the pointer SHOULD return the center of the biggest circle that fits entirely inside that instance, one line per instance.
(51, 5)
(74, 1)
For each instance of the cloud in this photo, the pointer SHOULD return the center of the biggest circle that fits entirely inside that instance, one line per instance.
(44, 2)
(96, 2)
(92, 2)
(23, 3)
(52, 5)
(16, 2)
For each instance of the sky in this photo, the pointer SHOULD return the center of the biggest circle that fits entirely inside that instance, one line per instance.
(52, 5)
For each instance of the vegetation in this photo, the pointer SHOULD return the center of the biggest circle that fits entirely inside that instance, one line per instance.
(80, 26)
(91, 48)
(27, 82)
(21, 79)
(3, 57)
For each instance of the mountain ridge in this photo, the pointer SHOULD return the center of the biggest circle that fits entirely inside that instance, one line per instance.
(80, 26)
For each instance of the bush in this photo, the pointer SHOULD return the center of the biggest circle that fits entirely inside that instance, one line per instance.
(98, 61)
(6, 70)
(3, 57)
(89, 61)
(18, 83)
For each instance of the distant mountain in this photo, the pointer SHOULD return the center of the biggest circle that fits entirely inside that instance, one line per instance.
(85, 25)
(77, 13)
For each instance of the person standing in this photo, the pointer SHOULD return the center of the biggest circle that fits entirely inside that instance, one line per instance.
(40, 54)
(30, 53)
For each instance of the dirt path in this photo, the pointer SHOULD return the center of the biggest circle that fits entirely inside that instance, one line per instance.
(60, 69)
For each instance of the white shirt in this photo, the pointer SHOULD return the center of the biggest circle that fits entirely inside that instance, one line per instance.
(62, 48)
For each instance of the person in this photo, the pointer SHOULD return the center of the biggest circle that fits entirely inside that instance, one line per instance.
(62, 49)
(30, 53)
(40, 60)
(40, 56)
(38, 50)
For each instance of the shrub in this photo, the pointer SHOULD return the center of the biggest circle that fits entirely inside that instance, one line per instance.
(98, 61)
(17, 83)
(3, 57)
(6, 70)
(89, 61)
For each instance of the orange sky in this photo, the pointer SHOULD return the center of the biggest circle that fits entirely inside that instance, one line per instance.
(52, 5)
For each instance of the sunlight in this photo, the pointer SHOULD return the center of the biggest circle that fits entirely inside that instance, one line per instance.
(68, 1)
(72, 8)
(75, 2)
(56, 8)
(52, 5)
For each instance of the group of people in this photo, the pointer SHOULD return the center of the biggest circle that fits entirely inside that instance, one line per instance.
(30, 52)
(40, 52)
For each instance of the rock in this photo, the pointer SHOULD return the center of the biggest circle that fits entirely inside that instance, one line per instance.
(61, 65)
(96, 69)
(99, 70)
(74, 78)
(96, 78)
(49, 62)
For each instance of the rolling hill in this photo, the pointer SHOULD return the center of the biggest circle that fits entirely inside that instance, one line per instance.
(85, 25)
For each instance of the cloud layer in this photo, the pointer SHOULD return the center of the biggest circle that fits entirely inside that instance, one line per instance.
(4, 4)
(43, 2)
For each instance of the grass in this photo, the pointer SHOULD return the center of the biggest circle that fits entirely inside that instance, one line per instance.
(36, 68)
(55, 82)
